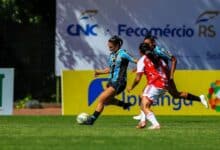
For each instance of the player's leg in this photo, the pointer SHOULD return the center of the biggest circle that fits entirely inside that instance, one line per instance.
(146, 103)
(119, 87)
(117, 102)
(102, 99)
(176, 94)
(139, 116)
(142, 123)
(150, 94)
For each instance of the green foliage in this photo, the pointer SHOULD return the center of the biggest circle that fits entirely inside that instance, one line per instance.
(22, 11)
(21, 103)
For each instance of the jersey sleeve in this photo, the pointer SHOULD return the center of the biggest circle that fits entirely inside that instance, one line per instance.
(109, 61)
(164, 54)
(140, 65)
(128, 57)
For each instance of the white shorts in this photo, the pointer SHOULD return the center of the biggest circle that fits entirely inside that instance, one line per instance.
(153, 93)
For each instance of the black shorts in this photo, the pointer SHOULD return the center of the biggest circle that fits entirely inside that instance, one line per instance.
(119, 86)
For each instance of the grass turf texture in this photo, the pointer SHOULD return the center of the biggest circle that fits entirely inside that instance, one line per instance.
(109, 132)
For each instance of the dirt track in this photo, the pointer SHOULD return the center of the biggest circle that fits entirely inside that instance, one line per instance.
(43, 111)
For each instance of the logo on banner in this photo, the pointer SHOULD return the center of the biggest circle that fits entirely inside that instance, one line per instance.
(88, 14)
(205, 29)
(214, 95)
(77, 29)
(206, 16)
(95, 89)
(86, 29)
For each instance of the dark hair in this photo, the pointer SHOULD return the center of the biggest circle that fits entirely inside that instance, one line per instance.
(116, 40)
(150, 37)
(144, 48)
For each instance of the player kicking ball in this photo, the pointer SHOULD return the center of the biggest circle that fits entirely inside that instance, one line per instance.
(155, 70)
(117, 70)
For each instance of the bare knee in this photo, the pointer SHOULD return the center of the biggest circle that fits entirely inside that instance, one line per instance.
(184, 94)
(145, 105)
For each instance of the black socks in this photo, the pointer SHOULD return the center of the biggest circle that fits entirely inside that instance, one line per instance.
(193, 97)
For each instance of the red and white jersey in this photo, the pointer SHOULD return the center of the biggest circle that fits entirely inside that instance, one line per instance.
(156, 75)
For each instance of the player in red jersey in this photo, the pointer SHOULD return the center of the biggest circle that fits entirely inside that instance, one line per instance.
(156, 71)
(172, 89)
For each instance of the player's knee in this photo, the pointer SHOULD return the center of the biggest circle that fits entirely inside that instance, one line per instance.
(102, 100)
(183, 94)
(149, 102)
(175, 94)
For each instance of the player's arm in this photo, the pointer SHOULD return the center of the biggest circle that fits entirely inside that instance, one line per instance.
(129, 57)
(135, 82)
(140, 71)
(173, 66)
(103, 71)
(165, 54)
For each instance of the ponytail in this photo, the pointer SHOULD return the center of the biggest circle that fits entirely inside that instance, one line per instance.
(116, 40)
(144, 48)
(150, 37)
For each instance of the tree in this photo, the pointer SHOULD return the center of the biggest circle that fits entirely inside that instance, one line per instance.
(26, 11)
(27, 44)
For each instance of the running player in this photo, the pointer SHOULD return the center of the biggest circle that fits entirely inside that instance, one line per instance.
(167, 56)
(155, 70)
(117, 70)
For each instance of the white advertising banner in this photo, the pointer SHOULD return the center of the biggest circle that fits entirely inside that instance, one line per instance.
(6, 91)
(189, 29)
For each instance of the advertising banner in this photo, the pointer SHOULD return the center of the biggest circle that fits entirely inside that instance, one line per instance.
(80, 91)
(6, 91)
(189, 29)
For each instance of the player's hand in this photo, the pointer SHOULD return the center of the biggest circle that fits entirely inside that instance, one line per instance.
(129, 89)
(96, 74)
(134, 70)
(171, 77)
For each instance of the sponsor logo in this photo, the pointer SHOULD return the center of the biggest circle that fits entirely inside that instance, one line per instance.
(96, 88)
(204, 28)
(77, 30)
(88, 14)
(87, 29)
(206, 16)
(214, 95)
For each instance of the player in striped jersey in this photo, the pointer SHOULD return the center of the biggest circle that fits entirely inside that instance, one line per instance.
(117, 70)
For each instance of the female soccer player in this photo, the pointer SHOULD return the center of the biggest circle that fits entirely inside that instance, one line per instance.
(117, 70)
(167, 56)
(155, 70)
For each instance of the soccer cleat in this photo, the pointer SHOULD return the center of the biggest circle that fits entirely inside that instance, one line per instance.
(138, 117)
(203, 101)
(89, 121)
(154, 127)
(141, 125)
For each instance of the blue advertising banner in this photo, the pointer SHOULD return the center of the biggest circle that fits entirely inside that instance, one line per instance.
(188, 29)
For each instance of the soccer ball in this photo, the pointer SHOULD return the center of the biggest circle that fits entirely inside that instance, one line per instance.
(82, 117)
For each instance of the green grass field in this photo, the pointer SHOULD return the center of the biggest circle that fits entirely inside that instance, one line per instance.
(109, 132)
